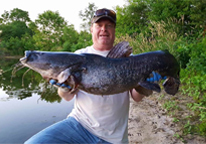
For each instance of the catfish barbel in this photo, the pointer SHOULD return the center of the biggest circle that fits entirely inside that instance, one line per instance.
(104, 76)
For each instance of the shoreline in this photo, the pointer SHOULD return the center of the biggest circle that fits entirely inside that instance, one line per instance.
(149, 123)
(10, 57)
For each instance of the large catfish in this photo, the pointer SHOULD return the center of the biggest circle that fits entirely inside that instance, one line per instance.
(104, 76)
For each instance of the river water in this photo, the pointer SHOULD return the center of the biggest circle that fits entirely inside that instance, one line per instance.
(28, 104)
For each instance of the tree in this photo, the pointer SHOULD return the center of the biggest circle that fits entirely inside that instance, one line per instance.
(13, 24)
(13, 27)
(70, 37)
(15, 15)
(84, 40)
(50, 30)
(87, 16)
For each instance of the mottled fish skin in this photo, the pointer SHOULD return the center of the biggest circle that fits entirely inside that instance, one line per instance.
(104, 76)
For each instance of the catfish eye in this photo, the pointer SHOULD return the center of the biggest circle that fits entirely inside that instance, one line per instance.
(32, 57)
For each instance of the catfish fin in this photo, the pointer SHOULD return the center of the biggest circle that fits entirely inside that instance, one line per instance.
(171, 85)
(143, 90)
(73, 70)
(120, 50)
(64, 75)
(150, 86)
(67, 78)
(73, 82)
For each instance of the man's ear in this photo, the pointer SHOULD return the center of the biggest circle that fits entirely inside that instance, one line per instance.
(91, 29)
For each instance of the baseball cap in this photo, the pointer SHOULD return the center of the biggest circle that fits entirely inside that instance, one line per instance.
(104, 13)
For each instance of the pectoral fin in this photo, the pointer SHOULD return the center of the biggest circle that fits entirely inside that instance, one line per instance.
(74, 71)
(150, 86)
(64, 75)
(67, 78)
(143, 91)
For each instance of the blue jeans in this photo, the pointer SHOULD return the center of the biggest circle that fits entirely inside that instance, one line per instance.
(66, 131)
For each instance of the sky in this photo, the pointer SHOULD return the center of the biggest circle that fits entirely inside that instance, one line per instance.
(67, 9)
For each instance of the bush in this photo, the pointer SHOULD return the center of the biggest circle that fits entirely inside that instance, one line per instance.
(194, 84)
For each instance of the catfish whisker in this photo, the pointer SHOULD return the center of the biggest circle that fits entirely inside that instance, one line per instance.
(23, 76)
(4, 71)
(17, 67)
(22, 66)
(11, 68)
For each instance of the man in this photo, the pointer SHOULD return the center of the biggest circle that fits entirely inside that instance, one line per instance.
(94, 119)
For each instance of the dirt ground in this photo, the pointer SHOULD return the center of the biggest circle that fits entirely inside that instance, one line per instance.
(149, 124)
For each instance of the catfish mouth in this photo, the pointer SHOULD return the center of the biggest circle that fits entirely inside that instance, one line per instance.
(27, 57)
(23, 59)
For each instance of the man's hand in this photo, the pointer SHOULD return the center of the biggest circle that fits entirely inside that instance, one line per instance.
(156, 77)
(65, 91)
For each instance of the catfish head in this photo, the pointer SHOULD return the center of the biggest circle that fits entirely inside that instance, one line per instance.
(52, 65)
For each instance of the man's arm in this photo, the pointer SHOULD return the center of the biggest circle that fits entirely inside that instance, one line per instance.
(68, 96)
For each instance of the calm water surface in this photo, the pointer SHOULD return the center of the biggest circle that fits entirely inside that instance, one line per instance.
(25, 110)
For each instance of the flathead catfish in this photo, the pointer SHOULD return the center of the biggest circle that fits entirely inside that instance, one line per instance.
(103, 76)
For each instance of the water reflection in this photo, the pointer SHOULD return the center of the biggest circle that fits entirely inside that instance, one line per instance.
(23, 86)
(25, 110)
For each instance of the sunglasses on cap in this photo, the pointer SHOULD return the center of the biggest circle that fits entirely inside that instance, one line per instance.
(104, 13)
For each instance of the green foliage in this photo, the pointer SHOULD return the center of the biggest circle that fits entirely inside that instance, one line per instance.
(202, 128)
(50, 30)
(182, 51)
(188, 128)
(194, 84)
(17, 46)
(138, 15)
(179, 137)
(84, 40)
(170, 105)
(175, 120)
(14, 29)
(15, 32)
(74, 40)
(132, 19)
(190, 12)
(157, 38)
(196, 68)
(163, 9)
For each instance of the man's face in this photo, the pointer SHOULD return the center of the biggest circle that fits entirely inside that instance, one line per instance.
(103, 34)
